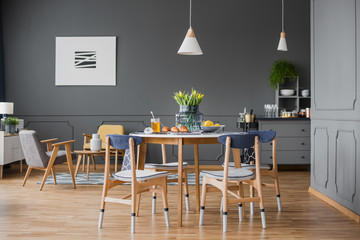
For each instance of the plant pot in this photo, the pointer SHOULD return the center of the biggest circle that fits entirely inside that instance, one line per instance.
(95, 143)
(10, 129)
(190, 117)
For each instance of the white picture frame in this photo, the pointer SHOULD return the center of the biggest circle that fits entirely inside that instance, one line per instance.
(85, 61)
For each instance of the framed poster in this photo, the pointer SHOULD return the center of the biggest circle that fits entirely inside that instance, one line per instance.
(85, 61)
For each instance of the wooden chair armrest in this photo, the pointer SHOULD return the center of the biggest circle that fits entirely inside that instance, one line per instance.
(49, 143)
(63, 143)
(49, 140)
(87, 135)
(87, 138)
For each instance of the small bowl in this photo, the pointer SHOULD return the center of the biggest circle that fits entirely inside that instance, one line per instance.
(212, 128)
(287, 92)
(305, 93)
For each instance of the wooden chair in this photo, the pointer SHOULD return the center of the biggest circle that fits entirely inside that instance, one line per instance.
(37, 158)
(104, 130)
(141, 180)
(266, 170)
(222, 180)
(172, 168)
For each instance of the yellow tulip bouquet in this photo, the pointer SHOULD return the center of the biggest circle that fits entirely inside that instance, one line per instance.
(190, 99)
(189, 114)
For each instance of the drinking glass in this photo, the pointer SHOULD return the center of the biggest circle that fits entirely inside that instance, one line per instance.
(266, 110)
(155, 124)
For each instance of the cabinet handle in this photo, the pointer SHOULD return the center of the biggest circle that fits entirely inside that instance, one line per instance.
(303, 130)
(302, 143)
(270, 157)
(270, 144)
(302, 157)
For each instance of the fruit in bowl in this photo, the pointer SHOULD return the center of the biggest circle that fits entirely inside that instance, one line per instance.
(209, 123)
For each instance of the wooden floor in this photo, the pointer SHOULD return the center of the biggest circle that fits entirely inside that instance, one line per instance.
(61, 212)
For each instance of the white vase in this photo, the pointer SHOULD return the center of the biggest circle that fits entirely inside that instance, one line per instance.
(95, 143)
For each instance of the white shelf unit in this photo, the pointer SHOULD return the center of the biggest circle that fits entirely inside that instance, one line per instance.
(294, 102)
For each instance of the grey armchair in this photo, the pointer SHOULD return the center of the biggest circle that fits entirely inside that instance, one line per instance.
(37, 158)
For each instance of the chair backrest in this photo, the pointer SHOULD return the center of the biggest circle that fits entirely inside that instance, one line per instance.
(122, 143)
(239, 141)
(264, 136)
(34, 152)
(109, 129)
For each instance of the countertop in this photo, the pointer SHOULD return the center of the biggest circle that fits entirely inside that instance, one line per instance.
(282, 119)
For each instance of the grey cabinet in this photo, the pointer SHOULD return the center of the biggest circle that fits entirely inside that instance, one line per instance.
(335, 109)
(292, 141)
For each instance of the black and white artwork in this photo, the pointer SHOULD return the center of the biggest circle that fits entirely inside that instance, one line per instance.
(85, 61)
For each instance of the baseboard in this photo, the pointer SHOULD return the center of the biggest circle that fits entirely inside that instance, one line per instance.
(335, 204)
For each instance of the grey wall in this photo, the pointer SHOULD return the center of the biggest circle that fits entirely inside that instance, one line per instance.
(238, 37)
(335, 121)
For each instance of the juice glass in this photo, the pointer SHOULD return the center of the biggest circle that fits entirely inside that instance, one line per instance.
(155, 124)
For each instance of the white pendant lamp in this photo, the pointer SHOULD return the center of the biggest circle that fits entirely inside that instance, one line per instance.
(282, 43)
(190, 45)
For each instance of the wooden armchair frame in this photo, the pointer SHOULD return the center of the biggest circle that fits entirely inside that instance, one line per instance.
(54, 147)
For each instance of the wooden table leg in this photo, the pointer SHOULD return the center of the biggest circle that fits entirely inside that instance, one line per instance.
(180, 173)
(197, 179)
(237, 158)
(142, 156)
(83, 165)
(21, 166)
(88, 167)
(1, 171)
(78, 164)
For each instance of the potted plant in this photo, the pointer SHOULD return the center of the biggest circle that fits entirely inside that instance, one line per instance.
(10, 124)
(280, 70)
(189, 114)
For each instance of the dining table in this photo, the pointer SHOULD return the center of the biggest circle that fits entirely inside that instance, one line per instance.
(181, 139)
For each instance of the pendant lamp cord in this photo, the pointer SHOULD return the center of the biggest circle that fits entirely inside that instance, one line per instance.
(190, 14)
(282, 15)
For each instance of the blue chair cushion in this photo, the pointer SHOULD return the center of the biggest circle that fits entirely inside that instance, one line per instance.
(264, 136)
(239, 141)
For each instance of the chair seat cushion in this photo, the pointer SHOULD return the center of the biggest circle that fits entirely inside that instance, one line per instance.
(249, 166)
(141, 175)
(235, 174)
(166, 166)
(61, 156)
